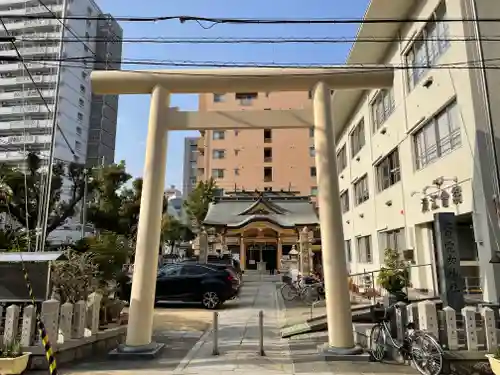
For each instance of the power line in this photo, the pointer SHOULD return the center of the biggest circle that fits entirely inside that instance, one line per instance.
(77, 62)
(259, 21)
(288, 40)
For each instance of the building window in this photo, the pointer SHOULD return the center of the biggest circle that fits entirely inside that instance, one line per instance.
(312, 171)
(218, 98)
(348, 251)
(357, 138)
(428, 46)
(218, 173)
(392, 239)
(78, 146)
(84, 76)
(219, 154)
(314, 191)
(268, 154)
(382, 107)
(82, 89)
(218, 134)
(364, 247)
(361, 191)
(268, 136)
(311, 132)
(79, 117)
(388, 171)
(78, 130)
(312, 151)
(341, 159)
(268, 174)
(236, 171)
(246, 98)
(81, 102)
(344, 201)
(440, 136)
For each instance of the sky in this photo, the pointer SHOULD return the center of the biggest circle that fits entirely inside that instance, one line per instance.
(134, 109)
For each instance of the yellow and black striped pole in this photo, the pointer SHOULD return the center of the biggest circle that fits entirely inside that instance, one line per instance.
(49, 353)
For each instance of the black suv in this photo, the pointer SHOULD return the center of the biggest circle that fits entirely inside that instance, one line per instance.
(192, 282)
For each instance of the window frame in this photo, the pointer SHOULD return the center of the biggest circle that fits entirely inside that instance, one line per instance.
(427, 153)
(435, 28)
(356, 187)
(365, 257)
(218, 176)
(345, 201)
(357, 137)
(380, 110)
(218, 154)
(342, 159)
(221, 135)
(394, 171)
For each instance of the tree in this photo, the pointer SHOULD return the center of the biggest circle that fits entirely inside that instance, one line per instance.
(394, 276)
(25, 190)
(173, 231)
(198, 201)
(115, 207)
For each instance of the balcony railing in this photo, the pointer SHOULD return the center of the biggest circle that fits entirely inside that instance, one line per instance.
(26, 124)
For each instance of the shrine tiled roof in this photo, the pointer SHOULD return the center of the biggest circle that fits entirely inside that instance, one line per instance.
(284, 211)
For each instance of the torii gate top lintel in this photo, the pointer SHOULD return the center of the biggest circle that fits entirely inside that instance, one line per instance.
(198, 81)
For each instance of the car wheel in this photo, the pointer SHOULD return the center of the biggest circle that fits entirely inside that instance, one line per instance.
(210, 300)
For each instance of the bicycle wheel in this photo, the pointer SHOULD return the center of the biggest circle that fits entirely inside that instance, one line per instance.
(426, 354)
(309, 295)
(377, 343)
(288, 292)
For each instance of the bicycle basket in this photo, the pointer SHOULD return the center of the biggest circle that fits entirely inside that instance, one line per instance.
(286, 279)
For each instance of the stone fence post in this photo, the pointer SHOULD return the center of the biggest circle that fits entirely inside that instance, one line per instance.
(50, 319)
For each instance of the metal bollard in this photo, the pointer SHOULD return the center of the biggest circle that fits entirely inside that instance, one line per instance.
(261, 333)
(215, 329)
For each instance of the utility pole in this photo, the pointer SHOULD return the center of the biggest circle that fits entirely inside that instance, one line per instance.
(84, 202)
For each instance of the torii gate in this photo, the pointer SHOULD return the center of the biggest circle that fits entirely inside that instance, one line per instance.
(160, 84)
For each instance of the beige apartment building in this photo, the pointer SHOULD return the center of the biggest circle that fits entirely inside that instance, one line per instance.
(261, 159)
(425, 145)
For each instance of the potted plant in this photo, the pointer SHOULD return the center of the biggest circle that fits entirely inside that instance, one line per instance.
(394, 276)
(494, 361)
(12, 359)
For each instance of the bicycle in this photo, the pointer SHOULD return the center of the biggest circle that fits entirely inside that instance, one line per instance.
(308, 293)
(419, 347)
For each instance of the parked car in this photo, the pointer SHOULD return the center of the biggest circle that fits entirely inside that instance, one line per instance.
(225, 261)
(192, 282)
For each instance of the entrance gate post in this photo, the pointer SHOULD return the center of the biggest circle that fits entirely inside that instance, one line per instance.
(338, 304)
(140, 324)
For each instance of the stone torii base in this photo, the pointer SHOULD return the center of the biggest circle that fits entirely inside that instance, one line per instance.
(161, 84)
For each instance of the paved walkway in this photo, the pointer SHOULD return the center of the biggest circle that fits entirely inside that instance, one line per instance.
(239, 345)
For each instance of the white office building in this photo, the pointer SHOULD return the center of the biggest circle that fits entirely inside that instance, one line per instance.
(425, 145)
(88, 122)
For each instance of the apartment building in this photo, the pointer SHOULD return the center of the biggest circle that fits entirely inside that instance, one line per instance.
(190, 166)
(262, 159)
(25, 121)
(424, 145)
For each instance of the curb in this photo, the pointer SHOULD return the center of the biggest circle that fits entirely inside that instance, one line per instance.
(192, 352)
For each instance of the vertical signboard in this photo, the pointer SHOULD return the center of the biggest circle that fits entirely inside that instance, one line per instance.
(451, 282)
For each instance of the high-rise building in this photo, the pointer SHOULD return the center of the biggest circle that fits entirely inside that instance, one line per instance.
(86, 123)
(190, 165)
(25, 120)
(104, 108)
(261, 159)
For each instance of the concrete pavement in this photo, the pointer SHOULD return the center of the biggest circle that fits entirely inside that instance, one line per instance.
(188, 353)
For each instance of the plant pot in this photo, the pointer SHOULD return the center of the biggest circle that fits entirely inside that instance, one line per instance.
(14, 366)
(494, 364)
